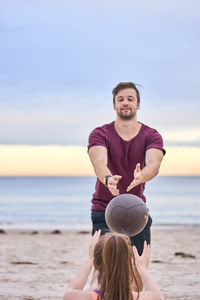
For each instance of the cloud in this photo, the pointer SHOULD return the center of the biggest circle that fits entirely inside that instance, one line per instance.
(57, 119)
(68, 118)
(182, 137)
(65, 43)
(61, 59)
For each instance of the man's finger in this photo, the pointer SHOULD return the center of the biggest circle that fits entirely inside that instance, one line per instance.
(114, 179)
(130, 186)
(137, 168)
(113, 190)
(117, 177)
(115, 193)
(113, 183)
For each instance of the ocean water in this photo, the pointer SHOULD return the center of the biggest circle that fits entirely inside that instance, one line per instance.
(65, 202)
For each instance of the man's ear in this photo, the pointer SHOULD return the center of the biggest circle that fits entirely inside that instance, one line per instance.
(114, 106)
(138, 105)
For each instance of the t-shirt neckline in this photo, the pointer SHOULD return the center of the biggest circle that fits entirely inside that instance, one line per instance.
(113, 124)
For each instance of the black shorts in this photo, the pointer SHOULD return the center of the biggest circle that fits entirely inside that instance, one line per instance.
(99, 222)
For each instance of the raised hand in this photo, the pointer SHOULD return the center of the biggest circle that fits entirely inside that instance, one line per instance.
(112, 184)
(93, 241)
(143, 260)
(137, 178)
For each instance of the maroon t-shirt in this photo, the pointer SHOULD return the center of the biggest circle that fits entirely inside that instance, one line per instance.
(122, 159)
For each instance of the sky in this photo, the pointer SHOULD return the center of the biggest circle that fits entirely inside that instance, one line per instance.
(59, 62)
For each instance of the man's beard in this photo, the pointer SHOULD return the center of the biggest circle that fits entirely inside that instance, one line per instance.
(126, 117)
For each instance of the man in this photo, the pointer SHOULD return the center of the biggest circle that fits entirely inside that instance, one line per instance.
(125, 154)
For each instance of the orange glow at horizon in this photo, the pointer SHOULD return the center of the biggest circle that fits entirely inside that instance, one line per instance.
(26, 160)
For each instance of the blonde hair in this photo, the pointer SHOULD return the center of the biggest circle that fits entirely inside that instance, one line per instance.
(113, 258)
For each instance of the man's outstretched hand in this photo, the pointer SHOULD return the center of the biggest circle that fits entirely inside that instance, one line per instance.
(113, 181)
(137, 178)
(112, 184)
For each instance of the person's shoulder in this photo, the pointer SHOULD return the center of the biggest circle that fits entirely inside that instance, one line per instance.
(149, 132)
(78, 294)
(100, 136)
(104, 129)
(148, 295)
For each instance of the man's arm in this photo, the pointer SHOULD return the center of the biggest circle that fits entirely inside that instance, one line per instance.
(99, 159)
(153, 161)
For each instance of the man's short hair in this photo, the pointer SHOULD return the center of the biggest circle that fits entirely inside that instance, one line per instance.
(125, 85)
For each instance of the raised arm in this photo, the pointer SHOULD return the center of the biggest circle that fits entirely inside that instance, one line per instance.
(151, 291)
(99, 160)
(153, 159)
(77, 283)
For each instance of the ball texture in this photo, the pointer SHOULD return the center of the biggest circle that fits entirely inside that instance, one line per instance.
(126, 214)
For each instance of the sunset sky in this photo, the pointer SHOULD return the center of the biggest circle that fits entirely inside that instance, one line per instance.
(60, 61)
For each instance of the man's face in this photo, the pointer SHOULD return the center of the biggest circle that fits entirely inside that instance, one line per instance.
(126, 104)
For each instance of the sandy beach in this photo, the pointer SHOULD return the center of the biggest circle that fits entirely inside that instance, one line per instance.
(37, 265)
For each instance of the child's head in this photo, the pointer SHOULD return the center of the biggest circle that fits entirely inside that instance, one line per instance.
(113, 258)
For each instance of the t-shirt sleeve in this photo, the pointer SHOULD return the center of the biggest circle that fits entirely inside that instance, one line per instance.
(97, 138)
(155, 140)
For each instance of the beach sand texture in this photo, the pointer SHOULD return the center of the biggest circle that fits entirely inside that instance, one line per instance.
(38, 265)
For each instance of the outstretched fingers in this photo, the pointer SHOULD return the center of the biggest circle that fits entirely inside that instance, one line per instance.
(112, 184)
(137, 168)
(146, 249)
(142, 260)
(135, 253)
(93, 241)
(132, 184)
(137, 178)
